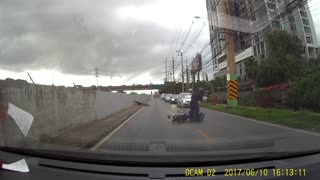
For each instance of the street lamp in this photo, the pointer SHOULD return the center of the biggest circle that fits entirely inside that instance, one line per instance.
(200, 17)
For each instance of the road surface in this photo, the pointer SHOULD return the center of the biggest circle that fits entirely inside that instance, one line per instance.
(218, 130)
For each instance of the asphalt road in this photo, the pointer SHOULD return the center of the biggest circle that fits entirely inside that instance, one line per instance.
(219, 130)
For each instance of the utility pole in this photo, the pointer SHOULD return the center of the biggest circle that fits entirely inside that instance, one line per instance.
(198, 75)
(170, 88)
(96, 73)
(193, 79)
(232, 86)
(181, 54)
(187, 74)
(173, 79)
(166, 78)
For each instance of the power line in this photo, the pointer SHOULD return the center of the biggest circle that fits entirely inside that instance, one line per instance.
(275, 17)
(255, 14)
(195, 38)
(183, 42)
(208, 61)
(196, 30)
(173, 45)
(268, 23)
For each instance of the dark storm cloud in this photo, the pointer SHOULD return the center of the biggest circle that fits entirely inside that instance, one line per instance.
(75, 36)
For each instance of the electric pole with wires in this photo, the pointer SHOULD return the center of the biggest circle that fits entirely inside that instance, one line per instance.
(232, 85)
(173, 79)
(166, 76)
(173, 76)
(187, 74)
(182, 72)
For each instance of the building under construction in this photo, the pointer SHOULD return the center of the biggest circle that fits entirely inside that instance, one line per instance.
(251, 20)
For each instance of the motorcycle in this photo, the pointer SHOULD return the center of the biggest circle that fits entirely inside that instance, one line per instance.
(182, 117)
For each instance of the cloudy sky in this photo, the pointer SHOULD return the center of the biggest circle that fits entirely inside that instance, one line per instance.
(62, 41)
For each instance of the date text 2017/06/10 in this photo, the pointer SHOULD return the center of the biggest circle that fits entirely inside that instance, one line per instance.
(246, 172)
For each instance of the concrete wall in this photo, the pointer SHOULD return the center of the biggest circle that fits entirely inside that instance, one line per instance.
(107, 103)
(57, 108)
(246, 98)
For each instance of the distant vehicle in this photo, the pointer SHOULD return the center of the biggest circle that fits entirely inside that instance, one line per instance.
(162, 96)
(184, 100)
(156, 94)
(121, 91)
(173, 99)
(167, 97)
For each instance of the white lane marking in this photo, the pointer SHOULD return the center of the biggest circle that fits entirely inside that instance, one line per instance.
(22, 118)
(114, 131)
(270, 124)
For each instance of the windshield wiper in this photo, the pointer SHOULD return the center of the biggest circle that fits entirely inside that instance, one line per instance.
(158, 161)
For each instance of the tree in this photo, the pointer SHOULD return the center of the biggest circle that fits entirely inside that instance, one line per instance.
(251, 67)
(283, 63)
(270, 72)
(285, 51)
(314, 62)
(212, 86)
(219, 82)
(305, 91)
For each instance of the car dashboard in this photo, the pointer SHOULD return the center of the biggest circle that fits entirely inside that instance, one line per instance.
(304, 167)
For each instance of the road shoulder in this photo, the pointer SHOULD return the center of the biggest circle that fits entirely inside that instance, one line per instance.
(89, 134)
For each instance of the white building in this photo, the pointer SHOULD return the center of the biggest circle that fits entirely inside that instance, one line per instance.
(251, 20)
(299, 22)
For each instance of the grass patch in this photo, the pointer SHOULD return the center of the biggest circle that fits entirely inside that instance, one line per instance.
(296, 119)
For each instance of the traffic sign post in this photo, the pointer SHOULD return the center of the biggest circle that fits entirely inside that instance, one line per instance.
(232, 90)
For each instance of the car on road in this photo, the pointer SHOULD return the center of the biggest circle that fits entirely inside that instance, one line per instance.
(162, 96)
(167, 97)
(184, 100)
(173, 99)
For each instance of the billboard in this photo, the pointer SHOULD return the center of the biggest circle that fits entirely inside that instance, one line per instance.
(197, 63)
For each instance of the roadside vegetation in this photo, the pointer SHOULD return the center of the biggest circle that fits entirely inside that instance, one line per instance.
(305, 91)
(283, 63)
(295, 119)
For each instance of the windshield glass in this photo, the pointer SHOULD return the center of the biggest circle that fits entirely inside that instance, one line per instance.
(98, 76)
(174, 96)
(185, 96)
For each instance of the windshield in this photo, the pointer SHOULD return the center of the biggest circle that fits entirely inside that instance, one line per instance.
(98, 76)
(185, 96)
